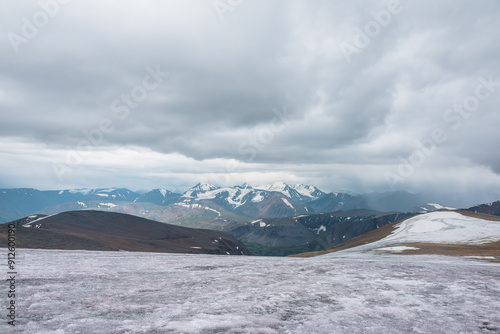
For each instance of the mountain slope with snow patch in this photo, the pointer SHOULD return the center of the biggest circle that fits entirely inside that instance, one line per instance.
(439, 232)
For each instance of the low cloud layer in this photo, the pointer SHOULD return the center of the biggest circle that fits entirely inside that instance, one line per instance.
(359, 96)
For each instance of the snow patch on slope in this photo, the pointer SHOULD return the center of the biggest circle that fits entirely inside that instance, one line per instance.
(258, 197)
(439, 227)
(109, 205)
(197, 206)
(37, 220)
(84, 191)
(440, 207)
(281, 187)
(445, 227)
(287, 203)
(321, 228)
(397, 249)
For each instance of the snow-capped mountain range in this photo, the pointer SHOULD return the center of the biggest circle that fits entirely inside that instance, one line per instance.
(277, 200)
(265, 201)
(239, 195)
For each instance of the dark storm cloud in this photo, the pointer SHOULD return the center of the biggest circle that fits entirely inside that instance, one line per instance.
(226, 77)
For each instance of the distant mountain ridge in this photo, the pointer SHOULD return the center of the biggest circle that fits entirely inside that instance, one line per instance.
(305, 233)
(248, 201)
(277, 219)
(19, 202)
(216, 206)
(429, 207)
(492, 208)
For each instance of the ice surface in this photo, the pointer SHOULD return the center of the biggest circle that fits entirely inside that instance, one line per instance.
(127, 292)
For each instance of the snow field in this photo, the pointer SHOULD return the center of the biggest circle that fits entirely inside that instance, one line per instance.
(126, 292)
(446, 227)
(435, 227)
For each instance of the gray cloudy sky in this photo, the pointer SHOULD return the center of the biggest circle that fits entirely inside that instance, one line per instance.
(340, 94)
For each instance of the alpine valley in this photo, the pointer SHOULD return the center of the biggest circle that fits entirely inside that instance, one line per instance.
(279, 219)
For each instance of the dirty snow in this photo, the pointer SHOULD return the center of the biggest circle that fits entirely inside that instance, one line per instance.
(127, 292)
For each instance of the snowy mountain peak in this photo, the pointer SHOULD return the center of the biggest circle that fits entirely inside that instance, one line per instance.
(278, 186)
(298, 192)
(203, 186)
(308, 190)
